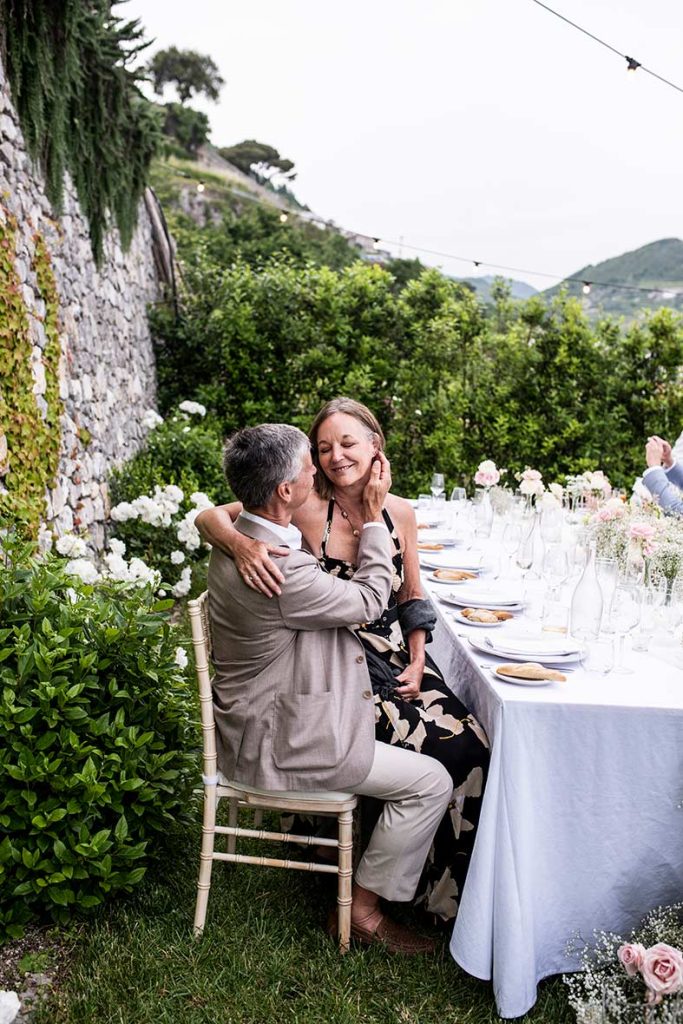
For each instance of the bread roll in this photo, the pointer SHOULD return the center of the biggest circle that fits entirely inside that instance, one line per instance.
(454, 574)
(424, 545)
(479, 615)
(530, 670)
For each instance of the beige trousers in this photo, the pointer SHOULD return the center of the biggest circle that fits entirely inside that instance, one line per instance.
(416, 790)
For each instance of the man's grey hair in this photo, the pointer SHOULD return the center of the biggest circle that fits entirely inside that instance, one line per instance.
(257, 459)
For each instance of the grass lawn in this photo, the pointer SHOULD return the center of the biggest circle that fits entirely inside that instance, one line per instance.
(264, 959)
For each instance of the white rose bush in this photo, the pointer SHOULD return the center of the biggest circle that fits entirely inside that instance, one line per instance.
(156, 498)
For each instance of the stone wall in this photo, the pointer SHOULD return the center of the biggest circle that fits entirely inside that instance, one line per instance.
(107, 373)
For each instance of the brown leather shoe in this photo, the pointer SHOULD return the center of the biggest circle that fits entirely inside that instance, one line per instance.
(396, 938)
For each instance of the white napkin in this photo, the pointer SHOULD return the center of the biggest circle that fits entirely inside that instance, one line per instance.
(534, 647)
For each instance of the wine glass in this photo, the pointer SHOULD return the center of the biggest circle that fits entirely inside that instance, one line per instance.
(551, 525)
(512, 536)
(524, 556)
(438, 485)
(624, 616)
(458, 494)
(555, 568)
(607, 571)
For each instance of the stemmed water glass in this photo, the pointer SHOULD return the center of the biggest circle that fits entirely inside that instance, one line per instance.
(438, 485)
(510, 541)
(606, 570)
(624, 616)
(551, 525)
(555, 568)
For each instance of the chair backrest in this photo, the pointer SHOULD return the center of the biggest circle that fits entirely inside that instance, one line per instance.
(200, 624)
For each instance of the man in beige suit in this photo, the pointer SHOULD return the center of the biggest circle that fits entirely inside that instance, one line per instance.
(292, 696)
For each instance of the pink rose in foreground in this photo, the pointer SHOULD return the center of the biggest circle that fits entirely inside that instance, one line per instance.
(662, 970)
(631, 956)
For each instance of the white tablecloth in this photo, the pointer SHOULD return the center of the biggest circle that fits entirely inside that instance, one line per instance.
(582, 819)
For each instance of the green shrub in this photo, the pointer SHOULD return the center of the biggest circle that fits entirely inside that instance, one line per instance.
(96, 738)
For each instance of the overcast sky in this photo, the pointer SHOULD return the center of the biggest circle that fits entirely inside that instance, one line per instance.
(487, 129)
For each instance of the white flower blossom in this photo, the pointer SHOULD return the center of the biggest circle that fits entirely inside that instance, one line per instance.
(115, 567)
(117, 547)
(83, 568)
(72, 547)
(177, 557)
(182, 587)
(181, 657)
(122, 512)
(151, 419)
(187, 533)
(193, 408)
(9, 1006)
(201, 500)
(139, 572)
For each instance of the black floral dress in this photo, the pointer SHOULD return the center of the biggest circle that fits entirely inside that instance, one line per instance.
(437, 724)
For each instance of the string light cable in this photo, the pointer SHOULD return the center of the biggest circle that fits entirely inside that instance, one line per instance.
(587, 283)
(631, 63)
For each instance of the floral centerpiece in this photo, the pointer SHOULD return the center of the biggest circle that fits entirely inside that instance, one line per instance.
(640, 536)
(640, 980)
(487, 474)
(593, 486)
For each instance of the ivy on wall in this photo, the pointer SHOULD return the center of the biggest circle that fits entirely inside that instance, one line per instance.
(79, 105)
(31, 440)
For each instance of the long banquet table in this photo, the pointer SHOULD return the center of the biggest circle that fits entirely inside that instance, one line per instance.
(581, 827)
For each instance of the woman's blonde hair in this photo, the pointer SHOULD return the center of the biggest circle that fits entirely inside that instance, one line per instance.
(359, 412)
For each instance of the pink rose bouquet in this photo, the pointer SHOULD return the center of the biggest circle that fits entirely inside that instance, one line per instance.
(531, 483)
(487, 474)
(638, 979)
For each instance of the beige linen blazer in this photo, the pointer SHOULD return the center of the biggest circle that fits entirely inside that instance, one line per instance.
(292, 697)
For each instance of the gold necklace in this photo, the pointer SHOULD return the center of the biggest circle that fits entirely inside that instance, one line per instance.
(345, 515)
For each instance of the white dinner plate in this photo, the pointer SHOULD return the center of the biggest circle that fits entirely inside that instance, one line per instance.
(453, 597)
(479, 644)
(447, 540)
(518, 681)
(448, 560)
(459, 617)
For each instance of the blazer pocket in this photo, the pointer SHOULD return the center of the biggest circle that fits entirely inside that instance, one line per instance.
(306, 732)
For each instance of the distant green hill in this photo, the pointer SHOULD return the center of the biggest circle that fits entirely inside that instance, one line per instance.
(482, 285)
(658, 265)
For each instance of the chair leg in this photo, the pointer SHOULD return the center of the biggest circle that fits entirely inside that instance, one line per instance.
(258, 819)
(205, 859)
(232, 822)
(344, 878)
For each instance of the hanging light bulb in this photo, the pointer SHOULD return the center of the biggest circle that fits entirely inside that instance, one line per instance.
(283, 218)
(632, 64)
(200, 186)
(586, 288)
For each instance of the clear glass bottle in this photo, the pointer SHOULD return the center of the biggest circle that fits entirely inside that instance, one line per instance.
(585, 614)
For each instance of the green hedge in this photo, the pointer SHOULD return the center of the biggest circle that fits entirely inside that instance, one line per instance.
(452, 381)
(96, 738)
